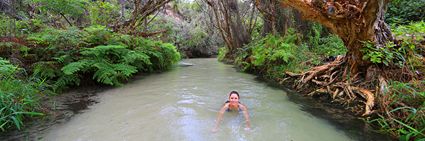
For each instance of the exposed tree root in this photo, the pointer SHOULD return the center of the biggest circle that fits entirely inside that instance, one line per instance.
(329, 79)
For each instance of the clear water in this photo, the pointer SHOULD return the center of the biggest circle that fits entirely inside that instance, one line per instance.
(182, 104)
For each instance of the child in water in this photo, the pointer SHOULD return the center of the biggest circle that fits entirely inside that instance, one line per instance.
(233, 104)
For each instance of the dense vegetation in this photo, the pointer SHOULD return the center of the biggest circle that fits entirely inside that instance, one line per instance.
(402, 107)
(49, 45)
(39, 60)
(400, 111)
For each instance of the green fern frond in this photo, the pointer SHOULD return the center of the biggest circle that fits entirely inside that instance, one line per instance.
(125, 69)
(133, 56)
(62, 58)
(105, 73)
(6, 68)
(102, 51)
(45, 69)
(73, 67)
(66, 80)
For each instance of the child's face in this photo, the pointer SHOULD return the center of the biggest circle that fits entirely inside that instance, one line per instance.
(234, 98)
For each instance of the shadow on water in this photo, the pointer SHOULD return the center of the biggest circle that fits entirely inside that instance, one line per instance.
(353, 126)
(64, 107)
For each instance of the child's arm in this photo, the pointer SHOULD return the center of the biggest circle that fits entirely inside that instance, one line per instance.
(246, 114)
(220, 116)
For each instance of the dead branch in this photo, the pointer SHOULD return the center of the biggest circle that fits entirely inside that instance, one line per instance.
(368, 95)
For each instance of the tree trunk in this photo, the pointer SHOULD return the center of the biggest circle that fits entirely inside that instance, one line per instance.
(276, 19)
(354, 21)
(122, 4)
(301, 25)
(142, 9)
(230, 25)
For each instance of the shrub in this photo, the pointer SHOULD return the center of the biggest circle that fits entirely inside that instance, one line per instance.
(110, 64)
(405, 11)
(406, 109)
(221, 53)
(103, 13)
(272, 55)
(161, 55)
(18, 98)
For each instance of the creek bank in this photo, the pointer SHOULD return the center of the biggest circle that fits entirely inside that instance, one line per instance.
(342, 116)
(57, 109)
(338, 115)
(199, 52)
(62, 107)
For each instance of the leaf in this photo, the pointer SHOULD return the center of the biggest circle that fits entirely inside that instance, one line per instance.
(73, 67)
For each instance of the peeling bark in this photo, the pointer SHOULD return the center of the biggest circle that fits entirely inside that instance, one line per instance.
(354, 21)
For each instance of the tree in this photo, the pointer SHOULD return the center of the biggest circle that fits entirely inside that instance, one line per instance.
(142, 9)
(73, 8)
(354, 21)
(9, 8)
(230, 25)
(274, 17)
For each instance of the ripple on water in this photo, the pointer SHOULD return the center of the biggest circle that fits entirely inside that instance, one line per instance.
(182, 104)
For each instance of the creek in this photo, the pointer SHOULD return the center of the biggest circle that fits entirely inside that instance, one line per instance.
(182, 104)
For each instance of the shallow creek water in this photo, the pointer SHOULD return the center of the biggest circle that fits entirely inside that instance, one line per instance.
(182, 104)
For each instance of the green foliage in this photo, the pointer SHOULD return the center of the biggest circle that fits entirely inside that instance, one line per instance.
(161, 55)
(103, 13)
(330, 45)
(8, 26)
(410, 122)
(325, 46)
(273, 49)
(197, 37)
(114, 57)
(17, 98)
(58, 40)
(410, 41)
(273, 55)
(110, 63)
(405, 11)
(386, 55)
(97, 35)
(407, 52)
(73, 8)
(315, 35)
(221, 53)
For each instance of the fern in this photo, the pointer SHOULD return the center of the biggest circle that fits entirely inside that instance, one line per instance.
(66, 80)
(45, 69)
(110, 64)
(6, 68)
(105, 73)
(75, 66)
(125, 69)
(133, 56)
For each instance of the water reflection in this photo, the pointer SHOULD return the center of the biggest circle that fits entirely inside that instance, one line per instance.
(182, 104)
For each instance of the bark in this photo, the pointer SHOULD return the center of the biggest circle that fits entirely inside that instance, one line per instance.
(230, 25)
(277, 20)
(122, 4)
(268, 9)
(142, 9)
(9, 7)
(301, 25)
(352, 20)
